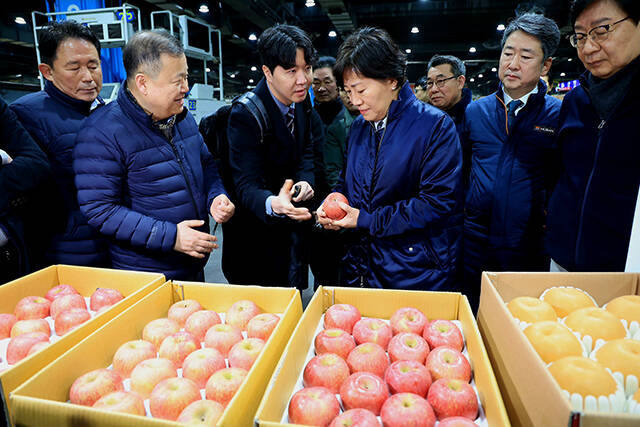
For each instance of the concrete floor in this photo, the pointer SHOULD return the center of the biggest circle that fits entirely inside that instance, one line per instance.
(213, 270)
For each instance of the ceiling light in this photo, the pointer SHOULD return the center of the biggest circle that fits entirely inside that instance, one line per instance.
(254, 68)
(233, 76)
(408, 50)
(310, 3)
(494, 69)
(415, 30)
(208, 70)
(250, 80)
(332, 33)
(203, 8)
(20, 20)
(570, 59)
(563, 74)
(253, 37)
(500, 27)
(472, 49)
(472, 80)
(480, 76)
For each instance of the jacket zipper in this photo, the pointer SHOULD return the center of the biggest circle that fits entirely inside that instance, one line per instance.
(186, 178)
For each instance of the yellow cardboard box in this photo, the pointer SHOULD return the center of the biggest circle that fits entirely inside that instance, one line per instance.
(381, 304)
(531, 395)
(42, 400)
(133, 285)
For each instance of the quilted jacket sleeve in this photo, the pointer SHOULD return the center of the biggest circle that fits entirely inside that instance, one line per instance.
(212, 180)
(100, 170)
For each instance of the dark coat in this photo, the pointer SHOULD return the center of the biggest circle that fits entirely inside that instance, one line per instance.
(54, 119)
(592, 207)
(407, 190)
(135, 186)
(259, 249)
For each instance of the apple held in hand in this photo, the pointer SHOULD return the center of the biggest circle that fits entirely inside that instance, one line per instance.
(70, 319)
(222, 338)
(407, 409)
(177, 347)
(447, 362)
(201, 413)
(171, 396)
(181, 310)
(90, 387)
(32, 307)
(157, 330)
(127, 402)
(326, 370)
(408, 376)
(201, 364)
(315, 406)
(224, 384)
(31, 325)
(244, 354)
(262, 325)
(341, 316)
(59, 291)
(130, 354)
(443, 332)
(453, 398)
(356, 418)
(148, 373)
(240, 313)
(104, 297)
(19, 346)
(65, 302)
(408, 346)
(331, 206)
(368, 357)
(364, 390)
(372, 330)
(334, 341)
(199, 323)
(408, 319)
(7, 321)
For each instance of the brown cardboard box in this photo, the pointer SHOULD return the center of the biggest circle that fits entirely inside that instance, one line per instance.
(42, 400)
(380, 304)
(531, 395)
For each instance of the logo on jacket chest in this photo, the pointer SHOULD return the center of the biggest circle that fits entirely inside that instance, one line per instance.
(545, 130)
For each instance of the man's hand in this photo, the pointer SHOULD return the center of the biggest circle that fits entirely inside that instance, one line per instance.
(193, 242)
(323, 220)
(282, 203)
(222, 209)
(305, 193)
(349, 221)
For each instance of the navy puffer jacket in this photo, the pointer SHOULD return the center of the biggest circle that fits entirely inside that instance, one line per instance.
(54, 119)
(408, 191)
(135, 186)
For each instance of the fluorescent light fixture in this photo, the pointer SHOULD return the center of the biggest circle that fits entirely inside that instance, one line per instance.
(501, 27)
(480, 76)
(472, 80)
(254, 68)
(494, 69)
(408, 50)
(332, 33)
(203, 8)
(472, 49)
(563, 74)
(233, 76)
(208, 70)
(253, 37)
(310, 3)
(20, 20)
(250, 80)
(570, 59)
(415, 30)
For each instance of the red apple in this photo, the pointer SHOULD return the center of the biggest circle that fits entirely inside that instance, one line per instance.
(201, 413)
(364, 390)
(262, 325)
(457, 422)
(37, 347)
(326, 370)
(70, 319)
(341, 316)
(177, 347)
(31, 325)
(201, 364)
(7, 321)
(222, 338)
(408, 319)
(372, 330)
(453, 398)
(443, 332)
(334, 341)
(368, 357)
(126, 402)
(407, 409)
(181, 310)
(224, 384)
(315, 406)
(19, 346)
(148, 373)
(65, 302)
(104, 297)
(331, 206)
(32, 308)
(90, 387)
(59, 291)
(447, 362)
(408, 346)
(240, 313)
(408, 376)
(130, 354)
(171, 396)
(199, 323)
(157, 330)
(356, 418)
(244, 354)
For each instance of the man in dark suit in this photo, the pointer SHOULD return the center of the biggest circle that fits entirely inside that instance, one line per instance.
(262, 242)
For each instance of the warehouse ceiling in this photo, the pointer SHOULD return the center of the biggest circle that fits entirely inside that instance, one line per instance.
(444, 26)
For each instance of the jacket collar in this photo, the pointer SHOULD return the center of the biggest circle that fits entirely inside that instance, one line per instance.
(534, 99)
(135, 111)
(82, 107)
(457, 111)
(405, 98)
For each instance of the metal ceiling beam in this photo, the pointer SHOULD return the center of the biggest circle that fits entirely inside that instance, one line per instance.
(255, 11)
(338, 14)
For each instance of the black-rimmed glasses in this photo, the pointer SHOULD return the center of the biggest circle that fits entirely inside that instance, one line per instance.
(439, 82)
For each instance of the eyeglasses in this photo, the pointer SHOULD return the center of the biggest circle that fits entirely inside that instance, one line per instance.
(596, 34)
(439, 82)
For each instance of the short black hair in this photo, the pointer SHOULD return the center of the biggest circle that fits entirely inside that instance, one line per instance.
(54, 33)
(422, 82)
(457, 66)
(145, 48)
(630, 7)
(278, 45)
(538, 26)
(325, 62)
(372, 53)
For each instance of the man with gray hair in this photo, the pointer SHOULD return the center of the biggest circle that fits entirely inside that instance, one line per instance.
(445, 86)
(510, 136)
(144, 175)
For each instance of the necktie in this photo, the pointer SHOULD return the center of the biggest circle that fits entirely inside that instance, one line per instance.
(291, 121)
(379, 132)
(511, 112)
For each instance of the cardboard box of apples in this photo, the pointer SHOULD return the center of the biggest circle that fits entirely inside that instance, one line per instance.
(379, 357)
(186, 352)
(81, 299)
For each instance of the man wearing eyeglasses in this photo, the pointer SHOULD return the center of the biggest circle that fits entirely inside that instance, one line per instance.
(592, 208)
(510, 136)
(445, 86)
